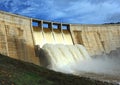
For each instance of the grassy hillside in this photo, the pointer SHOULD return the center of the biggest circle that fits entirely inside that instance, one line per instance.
(14, 72)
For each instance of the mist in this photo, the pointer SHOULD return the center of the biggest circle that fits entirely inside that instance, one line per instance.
(74, 59)
(100, 65)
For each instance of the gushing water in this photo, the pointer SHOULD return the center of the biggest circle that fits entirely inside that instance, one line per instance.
(75, 59)
(64, 58)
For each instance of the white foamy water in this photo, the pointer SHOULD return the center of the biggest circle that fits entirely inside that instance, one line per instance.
(64, 58)
(75, 59)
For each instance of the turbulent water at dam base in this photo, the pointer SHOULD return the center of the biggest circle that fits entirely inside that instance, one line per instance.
(74, 59)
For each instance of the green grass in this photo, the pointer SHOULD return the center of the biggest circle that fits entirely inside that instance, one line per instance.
(15, 72)
(30, 79)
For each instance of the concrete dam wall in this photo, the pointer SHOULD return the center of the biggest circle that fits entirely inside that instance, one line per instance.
(97, 39)
(16, 39)
(22, 37)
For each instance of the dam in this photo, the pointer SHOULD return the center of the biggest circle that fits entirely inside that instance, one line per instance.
(37, 41)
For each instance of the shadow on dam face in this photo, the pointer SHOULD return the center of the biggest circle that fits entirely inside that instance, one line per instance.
(44, 61)
(74, 59)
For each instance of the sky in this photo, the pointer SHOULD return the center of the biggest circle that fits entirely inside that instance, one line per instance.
(66, 11)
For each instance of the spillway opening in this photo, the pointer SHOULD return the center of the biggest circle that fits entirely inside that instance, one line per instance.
(55, 26)
(65, 27)
(45, 25)
(35, 24)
